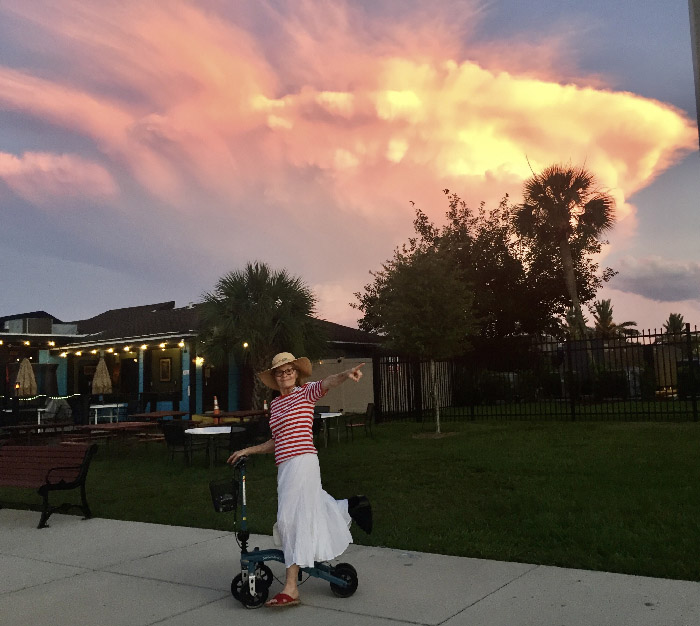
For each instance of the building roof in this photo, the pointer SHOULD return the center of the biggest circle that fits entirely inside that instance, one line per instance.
(140, 322)
(162, 320)
(32, 315)
(344, 334)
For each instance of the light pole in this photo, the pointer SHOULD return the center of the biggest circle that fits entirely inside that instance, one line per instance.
(694, 6)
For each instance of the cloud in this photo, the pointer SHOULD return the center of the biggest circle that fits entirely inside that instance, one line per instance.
(46, 179)
(659, 279)
(375, 114)
(229, 119)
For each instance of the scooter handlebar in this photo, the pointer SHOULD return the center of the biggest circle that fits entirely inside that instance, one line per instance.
(240, 462)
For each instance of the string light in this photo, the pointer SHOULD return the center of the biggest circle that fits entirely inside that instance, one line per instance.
(52, 343)
(144, 346)
(26, 343)
(110, 350)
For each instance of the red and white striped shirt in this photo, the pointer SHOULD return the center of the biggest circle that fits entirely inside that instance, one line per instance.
(291, 421)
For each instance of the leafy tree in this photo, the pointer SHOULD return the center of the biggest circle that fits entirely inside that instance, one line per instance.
(508, 299)
(422, 306)
(255, 313)
(561, 219)
(605, 327)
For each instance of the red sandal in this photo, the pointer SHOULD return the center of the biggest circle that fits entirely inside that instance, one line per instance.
(282, 599)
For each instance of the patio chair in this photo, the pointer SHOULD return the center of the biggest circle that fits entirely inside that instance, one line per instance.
(178, 440)
(257, 431)
(360, 421)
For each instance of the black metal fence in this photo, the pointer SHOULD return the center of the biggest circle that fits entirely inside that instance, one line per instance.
(652, 376)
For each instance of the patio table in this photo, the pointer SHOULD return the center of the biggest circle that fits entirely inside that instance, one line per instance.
(326, 417)
(211, 432)
(111, 410)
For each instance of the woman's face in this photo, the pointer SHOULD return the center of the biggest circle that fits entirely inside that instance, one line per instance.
(286, 377)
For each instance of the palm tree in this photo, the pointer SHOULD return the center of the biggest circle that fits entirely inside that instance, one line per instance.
(562, 207)
(674, 325)
(255, 313)
(605, 327)
(571, 327)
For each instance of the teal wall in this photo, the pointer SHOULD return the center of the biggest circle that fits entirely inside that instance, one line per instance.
(186, 365)
(200, 385)
(61, 372)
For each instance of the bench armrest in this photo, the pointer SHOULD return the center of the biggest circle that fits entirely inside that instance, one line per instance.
(65, 467)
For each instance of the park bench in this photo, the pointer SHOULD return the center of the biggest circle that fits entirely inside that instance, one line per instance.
(46, 469)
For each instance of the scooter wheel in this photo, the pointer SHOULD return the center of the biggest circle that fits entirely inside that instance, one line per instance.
(236, 585)
(253, 601)
(348, 573)
(263, 574)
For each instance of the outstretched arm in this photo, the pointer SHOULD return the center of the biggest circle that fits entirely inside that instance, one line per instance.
(338, 379)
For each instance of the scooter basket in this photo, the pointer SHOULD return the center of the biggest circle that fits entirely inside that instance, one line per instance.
(224, 495)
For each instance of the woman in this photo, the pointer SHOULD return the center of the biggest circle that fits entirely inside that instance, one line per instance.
(311, 524)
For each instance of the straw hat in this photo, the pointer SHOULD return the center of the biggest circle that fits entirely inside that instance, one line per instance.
(302, 365)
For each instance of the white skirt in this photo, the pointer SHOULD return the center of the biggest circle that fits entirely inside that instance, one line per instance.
(311, 524)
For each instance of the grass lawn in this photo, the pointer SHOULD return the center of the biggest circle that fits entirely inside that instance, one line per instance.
(619, 497)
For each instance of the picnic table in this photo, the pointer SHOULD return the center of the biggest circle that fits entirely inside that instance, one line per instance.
(236, 416)
(92, 432)
(34, 429)
(159, 415)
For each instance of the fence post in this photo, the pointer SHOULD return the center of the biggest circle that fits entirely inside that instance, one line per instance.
(417, 398)
(377, 389)
(691, 372)
(570, 365)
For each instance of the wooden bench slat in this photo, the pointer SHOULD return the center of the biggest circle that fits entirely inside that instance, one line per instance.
(39, 452)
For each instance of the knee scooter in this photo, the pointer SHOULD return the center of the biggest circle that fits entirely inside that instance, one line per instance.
(252, 585)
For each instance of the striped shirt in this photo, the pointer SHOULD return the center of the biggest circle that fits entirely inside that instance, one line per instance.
(291, 421)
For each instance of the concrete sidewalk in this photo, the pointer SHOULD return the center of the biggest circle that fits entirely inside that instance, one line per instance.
(105, 572)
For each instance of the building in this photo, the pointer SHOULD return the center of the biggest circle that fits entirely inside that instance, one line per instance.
(152, 358)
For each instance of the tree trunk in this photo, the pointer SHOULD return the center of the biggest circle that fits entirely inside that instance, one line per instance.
(434, 394)
(260, 391)
(260, 394)
(570, 282)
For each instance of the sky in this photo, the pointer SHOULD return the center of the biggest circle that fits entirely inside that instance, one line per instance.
(149, 147)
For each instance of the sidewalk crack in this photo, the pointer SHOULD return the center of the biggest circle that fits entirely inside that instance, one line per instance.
(503, 586)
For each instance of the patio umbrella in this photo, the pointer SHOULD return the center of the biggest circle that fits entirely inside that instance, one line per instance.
(101, 382)
(25, 385)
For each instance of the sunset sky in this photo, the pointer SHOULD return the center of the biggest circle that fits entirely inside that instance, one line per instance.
(148, 147)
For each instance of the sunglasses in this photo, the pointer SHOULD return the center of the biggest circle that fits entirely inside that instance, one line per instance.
(287, 372)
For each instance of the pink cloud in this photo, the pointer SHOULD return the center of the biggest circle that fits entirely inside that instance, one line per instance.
(383, 116)
(327, 112)
(46, 179)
